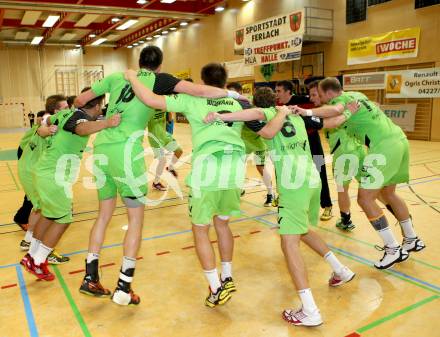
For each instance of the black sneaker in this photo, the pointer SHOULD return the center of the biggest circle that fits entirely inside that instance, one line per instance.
(269, 199)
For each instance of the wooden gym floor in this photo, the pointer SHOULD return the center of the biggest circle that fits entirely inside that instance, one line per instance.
(398, 302)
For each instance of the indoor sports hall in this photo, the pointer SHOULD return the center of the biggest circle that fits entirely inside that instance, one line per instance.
(219, 168)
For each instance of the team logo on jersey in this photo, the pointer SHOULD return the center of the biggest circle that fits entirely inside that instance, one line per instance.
(239, 36)
(295, 21)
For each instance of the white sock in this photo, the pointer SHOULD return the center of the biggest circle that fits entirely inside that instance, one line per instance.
(407, 228)
(35, 244)
(388, 237)
(213, 279)
(92, 256)
(160, 167)
(267, 180)
(127, 263)
(28, 236)
(334, 262)
(42, 254)
(308, 303)
(226, 270)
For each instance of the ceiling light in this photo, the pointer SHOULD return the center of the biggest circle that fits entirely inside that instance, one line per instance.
(116, 20)
(99, 41)
(219, 9)
(173, 28)
(78, 46)
(127, 24)
(184, 23)
(149, 38)
(92, 35)
(129, 47)
(135, 44)
(37, 39)
(141, 41)
(165, 32)
(167, 1)
(51, 20)
(157, 35)
(141, 2)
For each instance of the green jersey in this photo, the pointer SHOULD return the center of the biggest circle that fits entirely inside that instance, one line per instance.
(65, 141)
(252, 141)
(135, 114)
(218, 150)
(157, 129)
(369, 124)
(208, 138)
(291, 155)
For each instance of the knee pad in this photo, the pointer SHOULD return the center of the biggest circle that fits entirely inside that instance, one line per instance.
(131, 202)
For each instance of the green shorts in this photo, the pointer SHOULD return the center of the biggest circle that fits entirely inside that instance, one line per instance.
(25, 177)
(347, 164)
(162, 143)
(297, 209)
(207, 204)
(386, 164)
(124, 172)
(53, 199)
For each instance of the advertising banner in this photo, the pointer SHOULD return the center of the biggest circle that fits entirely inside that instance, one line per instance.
(388, 46)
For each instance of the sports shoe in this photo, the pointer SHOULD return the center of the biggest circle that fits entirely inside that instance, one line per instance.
(41, 271)
(93, 288)
(391, 256)
(172, 171)
(24, 245)
(413, 244)
(327, 214)
(90, 284)
(299, 317)
(275, 201)
(56, 258)
(228, 284)
(159, 186)
(269, 199)
(345, 226)
(344, 276)
(221, 296)
(123, 298)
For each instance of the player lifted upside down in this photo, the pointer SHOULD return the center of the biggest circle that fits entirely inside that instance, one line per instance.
(299, 187)
(388, 146)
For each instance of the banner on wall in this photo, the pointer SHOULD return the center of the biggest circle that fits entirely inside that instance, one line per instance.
(364, 81)
(238, 69)
(417, 83)
(403, 115)
(248, 88)
(273, 40)
(387, 46)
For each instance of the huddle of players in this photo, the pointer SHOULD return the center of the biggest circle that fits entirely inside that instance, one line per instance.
(218, 151)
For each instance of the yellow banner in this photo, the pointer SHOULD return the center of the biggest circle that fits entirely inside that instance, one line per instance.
(392, 45)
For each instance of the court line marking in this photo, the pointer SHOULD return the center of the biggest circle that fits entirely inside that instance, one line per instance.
(27, 303)
(345, 236)
(394, 315)
(13, 177)
(72, 303)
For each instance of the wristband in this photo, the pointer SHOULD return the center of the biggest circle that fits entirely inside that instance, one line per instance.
(233, 94)
(309, 112)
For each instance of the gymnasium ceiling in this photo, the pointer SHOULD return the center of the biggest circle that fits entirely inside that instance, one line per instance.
(85, 22)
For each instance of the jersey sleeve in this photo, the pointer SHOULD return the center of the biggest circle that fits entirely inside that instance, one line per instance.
(53, 119)
(165, 84)
(313, 122)
(78, 117)
(178, 103)
(103, 85)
